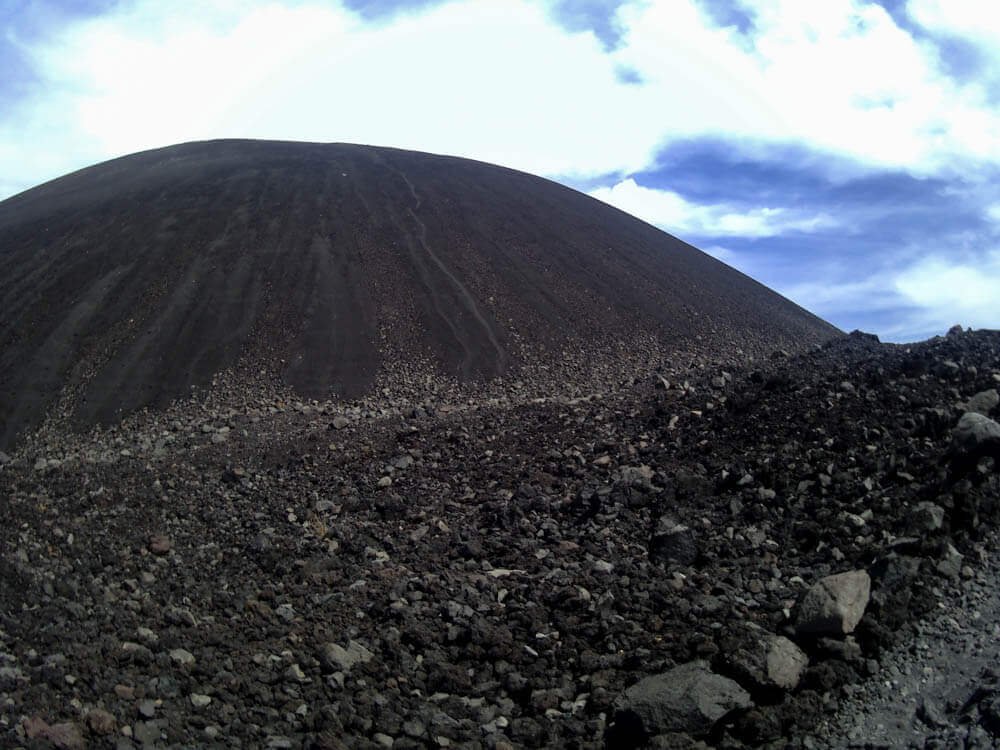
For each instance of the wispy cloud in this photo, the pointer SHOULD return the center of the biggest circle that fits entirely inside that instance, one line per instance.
(721, 253)
(672, 212)
(967, 292)
(919, 298)
(975, 22)
(840, 75)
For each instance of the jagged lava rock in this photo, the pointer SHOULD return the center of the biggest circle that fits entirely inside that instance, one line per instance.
(674, 543)
(835, 604)
(983, 402)
(975, 432)
(770, 662)
(689, 698)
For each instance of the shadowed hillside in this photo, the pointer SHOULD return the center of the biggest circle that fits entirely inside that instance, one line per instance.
(127, 283)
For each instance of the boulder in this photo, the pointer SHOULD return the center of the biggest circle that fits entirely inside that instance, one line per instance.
(983, 402)
(835, 604)
(974, 433)
(689, 698)
(768, 662)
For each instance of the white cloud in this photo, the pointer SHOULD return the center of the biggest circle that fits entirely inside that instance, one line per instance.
(975, 21)
(494, 80)
(722, 253)
(838, 75)
(839, 294)
(498, 80)
(967, 292)
(672, 212)
(925, 295)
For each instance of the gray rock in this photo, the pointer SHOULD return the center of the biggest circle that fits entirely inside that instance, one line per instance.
(640, 477)
(414, 728)
(982, 403)
(929, 713)
(925, 518)
(402, 462)
(10, 677)
(975, 432)
(4, 458)
(674, 543)
(946, 369)
(335, 658)
(182, 657)
(835, 605)
(846, 649)
(950, 564)
(785, 662)
(179, 616)
(340, 422)
(689, 698)
(770, 661)
(146, 732)
(603, 566)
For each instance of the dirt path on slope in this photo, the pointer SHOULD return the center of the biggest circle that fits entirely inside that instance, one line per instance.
(465, 296)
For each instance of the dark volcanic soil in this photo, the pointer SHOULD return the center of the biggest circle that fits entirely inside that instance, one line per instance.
(488, 569)
(125, 284)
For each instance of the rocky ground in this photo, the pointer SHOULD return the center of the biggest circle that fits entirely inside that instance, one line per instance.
(938, 688)
(796, 552)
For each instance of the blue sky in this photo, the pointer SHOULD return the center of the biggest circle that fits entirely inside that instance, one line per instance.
(843, 152)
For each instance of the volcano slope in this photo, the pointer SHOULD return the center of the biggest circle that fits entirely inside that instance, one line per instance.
(645, 566)
(321, 266)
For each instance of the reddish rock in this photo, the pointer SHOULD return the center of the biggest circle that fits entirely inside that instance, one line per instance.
(101, 722)
(159, 544)
(63, 736)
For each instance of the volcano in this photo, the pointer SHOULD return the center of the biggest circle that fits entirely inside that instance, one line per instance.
(551, 477)
(128, 283)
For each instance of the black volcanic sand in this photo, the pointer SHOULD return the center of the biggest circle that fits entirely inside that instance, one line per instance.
(485, 570)
(323, 267)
